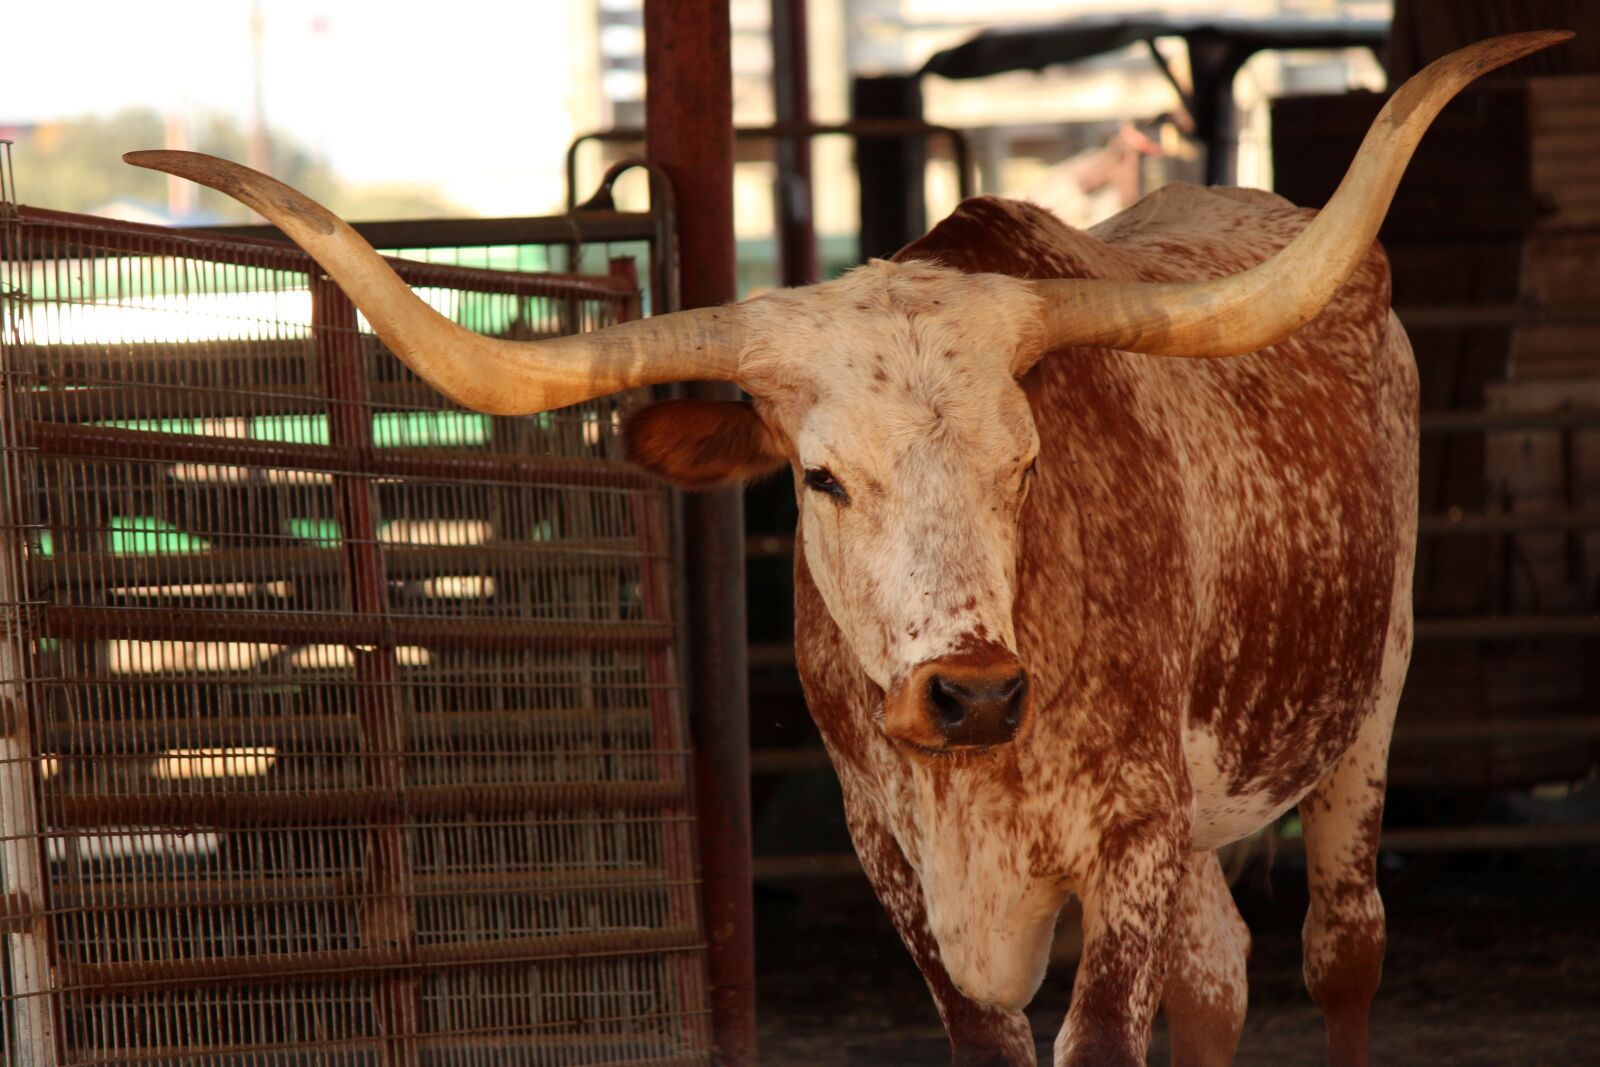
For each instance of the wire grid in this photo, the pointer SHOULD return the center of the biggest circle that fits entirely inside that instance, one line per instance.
(340, 726)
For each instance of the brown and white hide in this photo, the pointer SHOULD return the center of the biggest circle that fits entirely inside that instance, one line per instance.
(1210, 591)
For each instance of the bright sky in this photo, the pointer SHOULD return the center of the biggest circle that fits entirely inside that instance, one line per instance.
(470, 95)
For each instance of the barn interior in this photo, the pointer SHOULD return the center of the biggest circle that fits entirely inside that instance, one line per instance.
(341, 725)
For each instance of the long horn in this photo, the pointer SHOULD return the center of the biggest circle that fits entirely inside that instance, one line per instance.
(483, 373)
(1261, 306)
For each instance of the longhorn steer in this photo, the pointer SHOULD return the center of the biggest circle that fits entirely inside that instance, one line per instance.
(1070, 616)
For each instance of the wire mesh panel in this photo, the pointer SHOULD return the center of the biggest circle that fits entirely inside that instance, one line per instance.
(337, 726)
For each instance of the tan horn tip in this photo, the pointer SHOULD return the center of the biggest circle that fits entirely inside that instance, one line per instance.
(1496, 52)
(195, 166)
(156, 159)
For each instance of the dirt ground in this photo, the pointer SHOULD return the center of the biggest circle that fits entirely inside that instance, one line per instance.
(1494, 961)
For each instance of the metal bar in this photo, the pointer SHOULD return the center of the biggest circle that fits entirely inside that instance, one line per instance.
(1519, 522)
(592, 227)
(271, 564)
(650, 518)
(1570, 729)
(244, 809)
(14, 906)
(1506, 627)
(294, 628)
(109, 400)
(157, 894)
(791, 94)
(24, 862)
(104, 978)
(1490, 838)
(70, 439)
(247, 244)
(388, 918)
(689, 119)
(306, 732)
(471, 1049)
(1489, 421)
(960, 147)
(891, 172)
(1462, 316)
(463, 1046)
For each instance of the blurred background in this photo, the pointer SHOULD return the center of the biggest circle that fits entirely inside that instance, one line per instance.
(335, 98)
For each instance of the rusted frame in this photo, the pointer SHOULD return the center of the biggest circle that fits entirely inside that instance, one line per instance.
(35, 1023)
(160, 895)
(256, 246)
(80, 441)
(651, 520)
(485, 1047)
(302, 628)
(378, 800)
(474, 1046)
(689, 141)
(388, 917)
(469, 1046)
(244, 808)
(103, 978)
(597, 226)
(308, 731)
(271, 564)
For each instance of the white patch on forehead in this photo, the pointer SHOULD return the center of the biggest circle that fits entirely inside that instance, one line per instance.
(898, 379)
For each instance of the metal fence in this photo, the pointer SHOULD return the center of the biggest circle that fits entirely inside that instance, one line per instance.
(337, 725)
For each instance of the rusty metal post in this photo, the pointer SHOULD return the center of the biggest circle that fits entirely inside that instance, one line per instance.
(892, 171)
(689, 134)
(791, 96)
(388, 914)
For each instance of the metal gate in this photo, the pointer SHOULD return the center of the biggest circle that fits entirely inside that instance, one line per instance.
(337, 725)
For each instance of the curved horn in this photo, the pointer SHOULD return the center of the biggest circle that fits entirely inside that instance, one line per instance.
(1261, 306)
(483, 373)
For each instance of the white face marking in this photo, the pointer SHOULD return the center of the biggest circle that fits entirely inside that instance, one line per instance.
(899, 381)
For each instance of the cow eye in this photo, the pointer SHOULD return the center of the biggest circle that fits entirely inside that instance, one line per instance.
(822, 480)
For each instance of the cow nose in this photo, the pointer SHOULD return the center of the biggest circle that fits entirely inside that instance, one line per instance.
(978, 711)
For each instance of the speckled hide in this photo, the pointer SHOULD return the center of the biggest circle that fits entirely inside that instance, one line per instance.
(1208, 582)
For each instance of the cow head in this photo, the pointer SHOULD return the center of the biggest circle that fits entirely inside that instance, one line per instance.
(892, 394)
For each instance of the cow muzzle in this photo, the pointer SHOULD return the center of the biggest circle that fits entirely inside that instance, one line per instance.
(971, 700)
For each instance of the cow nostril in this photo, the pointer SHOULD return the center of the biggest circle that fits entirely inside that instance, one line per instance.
(1015, 694)
(947, 701)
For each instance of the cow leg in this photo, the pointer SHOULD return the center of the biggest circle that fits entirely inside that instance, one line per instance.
(1344, 934)
(980, 1035)
(1205, 994)
(1129, 899)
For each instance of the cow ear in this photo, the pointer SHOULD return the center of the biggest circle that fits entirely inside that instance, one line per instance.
(698, 444)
